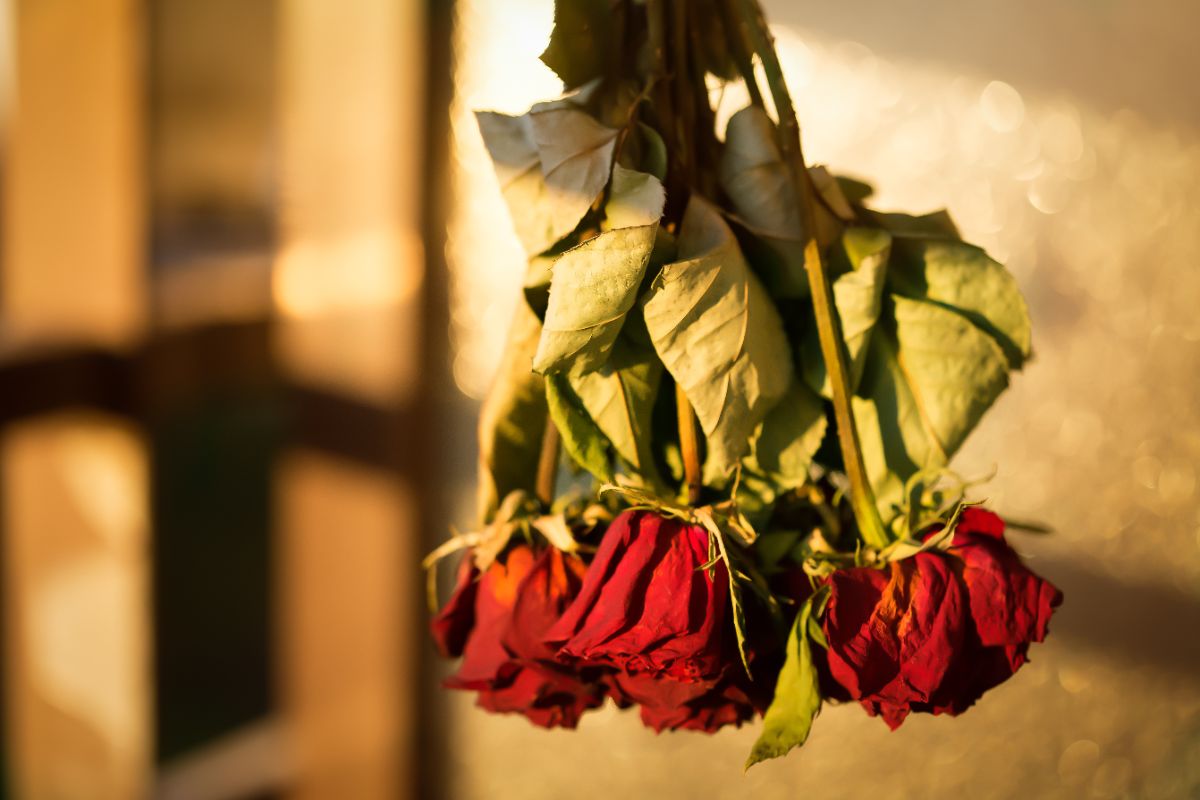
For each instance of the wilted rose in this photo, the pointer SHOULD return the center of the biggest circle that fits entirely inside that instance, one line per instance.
(504, 658)
(647, 606)
(939, 629)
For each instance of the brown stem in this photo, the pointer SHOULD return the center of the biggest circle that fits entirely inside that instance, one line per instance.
(689, 445)
(547, 473)
(732, 21)
(862, 496)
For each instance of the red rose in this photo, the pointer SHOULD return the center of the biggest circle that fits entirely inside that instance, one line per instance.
(940, 629)
(647, 607)
(505, 658)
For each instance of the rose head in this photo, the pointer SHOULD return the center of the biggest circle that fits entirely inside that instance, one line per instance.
(509, 609)
(646, 607)
(938, 630)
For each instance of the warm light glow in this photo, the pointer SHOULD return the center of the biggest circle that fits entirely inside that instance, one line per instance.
(350, 259)
(78, 630)
(376, 269)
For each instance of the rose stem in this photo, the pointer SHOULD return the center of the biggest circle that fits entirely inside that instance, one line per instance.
(547, 473)
(689, 446)
(677, 130)
(862, 497)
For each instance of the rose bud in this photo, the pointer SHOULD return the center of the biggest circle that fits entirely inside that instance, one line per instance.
(939, 629)
(504, 658)
(647, 606)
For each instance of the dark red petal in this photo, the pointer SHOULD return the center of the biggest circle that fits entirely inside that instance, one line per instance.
(484, 654)
(546, 697)
(453, 623)
(856, 660)
(645, 604)
(1010, 605)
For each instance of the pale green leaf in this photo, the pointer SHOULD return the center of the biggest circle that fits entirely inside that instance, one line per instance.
(552, 164)
(858, 295)
(594, 285)
(963, 277)
(758, 181)
(789, 437)
(512, 419)
(718, 333)
(619, 398)
(955, 371)
(581, 437)
(936, 225)
(654, 151)
(797, 699)
(925, 387)
(636, 200)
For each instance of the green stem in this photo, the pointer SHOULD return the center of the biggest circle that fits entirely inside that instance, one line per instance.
(547, 474)
(862, 497)
(689, 446)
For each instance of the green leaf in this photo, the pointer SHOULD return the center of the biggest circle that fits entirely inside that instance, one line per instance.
(936, 225)
(654, 151)
(718, 333)
(512, 419)
(580, 41)
(854, 190)
(581, 437)
(552, 164)
(619, 398)
(925, 387)
(858, 295)
(758, 181)
(789, 437)
(797, 699)
(963, 277)
(594, 285)
(644, 150)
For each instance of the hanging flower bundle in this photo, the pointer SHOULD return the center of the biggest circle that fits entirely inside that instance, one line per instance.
(755, 382)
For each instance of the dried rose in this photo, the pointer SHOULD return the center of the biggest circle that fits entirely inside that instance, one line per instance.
(647, 606)
(504, 658)
(940, 629)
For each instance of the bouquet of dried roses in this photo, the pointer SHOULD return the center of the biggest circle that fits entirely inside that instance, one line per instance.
(757, 382)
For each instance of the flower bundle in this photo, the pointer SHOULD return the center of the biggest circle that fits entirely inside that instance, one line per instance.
(757, 381)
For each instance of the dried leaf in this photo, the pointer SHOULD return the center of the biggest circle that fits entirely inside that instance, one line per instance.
(512, 419)
(552, 164)
(758, 181)
(594, 285)
(718, 333)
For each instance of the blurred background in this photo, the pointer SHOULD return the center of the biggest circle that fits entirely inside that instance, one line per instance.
(255, 271)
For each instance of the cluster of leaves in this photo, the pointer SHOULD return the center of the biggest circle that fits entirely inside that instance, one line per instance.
(665, 255)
